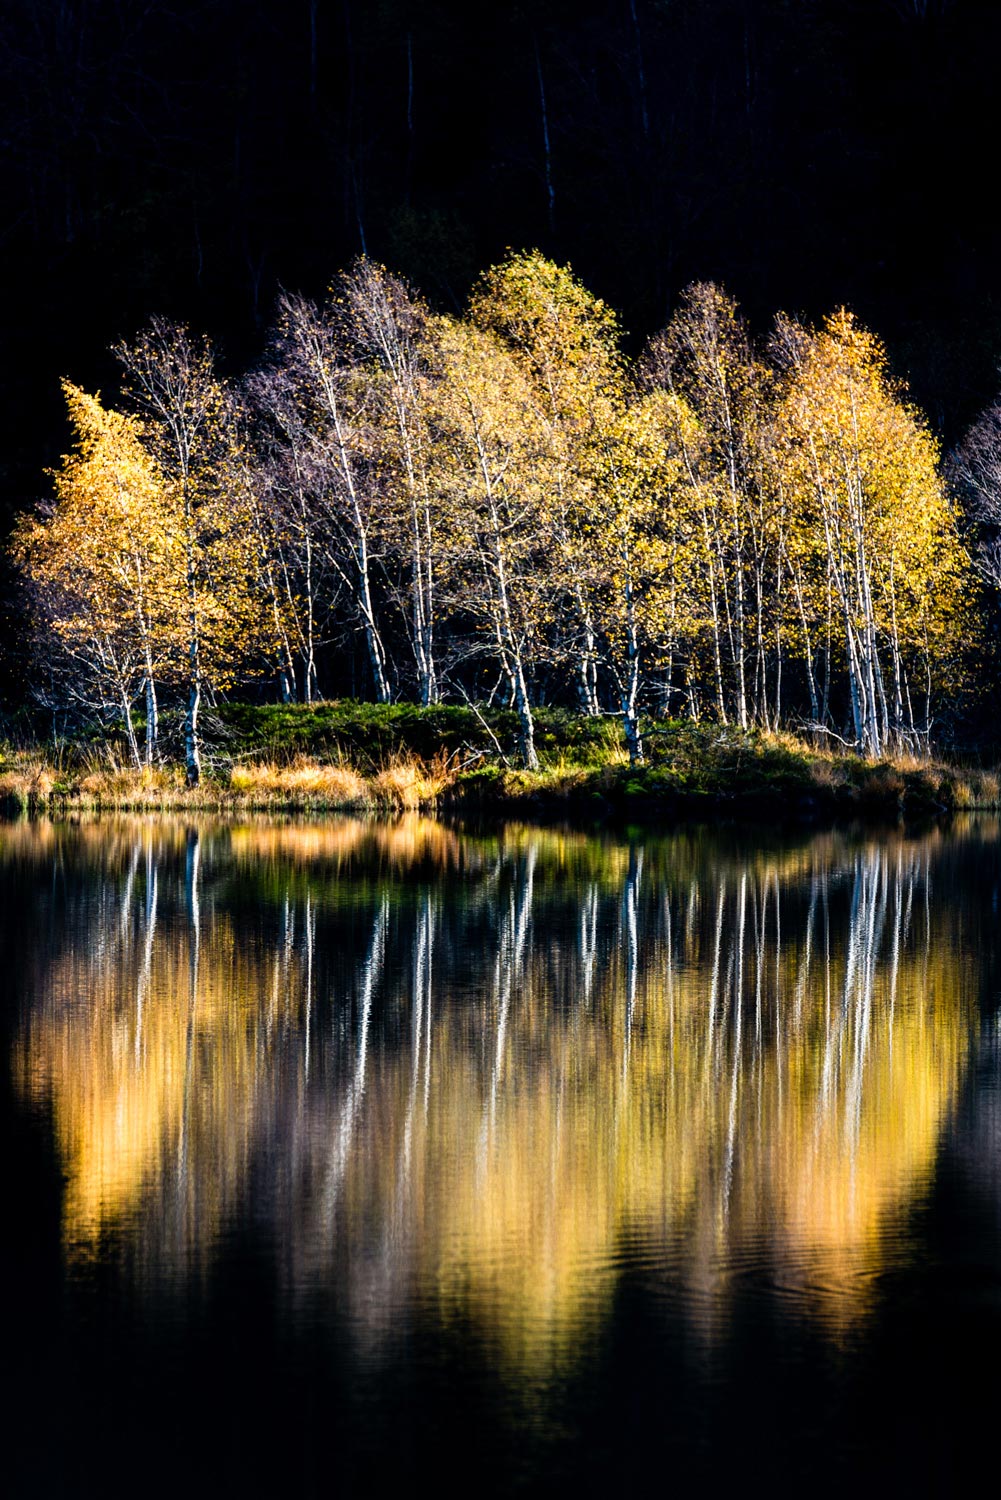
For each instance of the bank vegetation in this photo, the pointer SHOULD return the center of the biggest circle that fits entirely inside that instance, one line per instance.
(394, 758)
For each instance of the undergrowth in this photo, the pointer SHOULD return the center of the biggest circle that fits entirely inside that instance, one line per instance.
(397, 757)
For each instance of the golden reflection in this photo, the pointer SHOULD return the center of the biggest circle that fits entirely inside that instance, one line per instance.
(399, 843)
(701, 1063)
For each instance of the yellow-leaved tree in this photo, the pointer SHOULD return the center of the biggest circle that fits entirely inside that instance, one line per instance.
(487, 471)
(103, 564)
(705, 359)
(189, 431)
(638, 538)
(565, 342)
(873, 532)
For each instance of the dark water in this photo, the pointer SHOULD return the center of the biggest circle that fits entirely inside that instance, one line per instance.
(350, 1158)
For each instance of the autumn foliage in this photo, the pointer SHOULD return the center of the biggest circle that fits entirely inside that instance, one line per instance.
(502, 507)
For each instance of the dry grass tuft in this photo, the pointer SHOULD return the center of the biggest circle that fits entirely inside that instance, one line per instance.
(409, 783)
(795, 744)
(26, 782)
(826, 773)
(990, 789)
(148, 786)
(336, 785)
(405, 783)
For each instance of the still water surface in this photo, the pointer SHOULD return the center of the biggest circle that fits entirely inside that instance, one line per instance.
(349, 1156)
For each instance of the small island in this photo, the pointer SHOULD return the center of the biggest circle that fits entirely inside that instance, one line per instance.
(493, 560)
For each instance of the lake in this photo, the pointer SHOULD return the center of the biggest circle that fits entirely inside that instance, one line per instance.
(347, 1156)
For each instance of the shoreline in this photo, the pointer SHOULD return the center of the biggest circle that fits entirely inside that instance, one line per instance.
(347, 757)
(586, 795)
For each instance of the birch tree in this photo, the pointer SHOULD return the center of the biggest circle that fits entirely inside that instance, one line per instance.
(634, 537)
(863, 476)
(170, 376)
(705, 358)
(566, 342)
(388, 325)
(975, 469)
(287, 481)
(487, 438)
(103, 562)
(314, 346)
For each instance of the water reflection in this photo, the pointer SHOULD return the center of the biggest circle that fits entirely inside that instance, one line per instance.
(481, 1078)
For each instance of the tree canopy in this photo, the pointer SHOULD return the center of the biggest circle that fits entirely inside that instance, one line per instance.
(503, 506)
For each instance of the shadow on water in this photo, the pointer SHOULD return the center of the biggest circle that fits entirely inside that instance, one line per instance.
(350, 1154)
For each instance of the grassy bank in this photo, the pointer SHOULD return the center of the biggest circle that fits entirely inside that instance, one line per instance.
(395, 757)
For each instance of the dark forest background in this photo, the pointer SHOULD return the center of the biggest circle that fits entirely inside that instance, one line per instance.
(190, 157)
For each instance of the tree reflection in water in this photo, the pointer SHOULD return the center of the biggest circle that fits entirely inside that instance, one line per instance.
(485, 1075)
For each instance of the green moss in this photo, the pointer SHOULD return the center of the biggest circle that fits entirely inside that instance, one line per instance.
(367, 734)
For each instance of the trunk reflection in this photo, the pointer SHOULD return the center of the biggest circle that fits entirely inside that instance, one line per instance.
(490, 1073)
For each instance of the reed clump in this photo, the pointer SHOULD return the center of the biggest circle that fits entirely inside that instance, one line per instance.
(335, 785)
(26, 782)
(150, 785)
(404, 782)
(408, 782)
